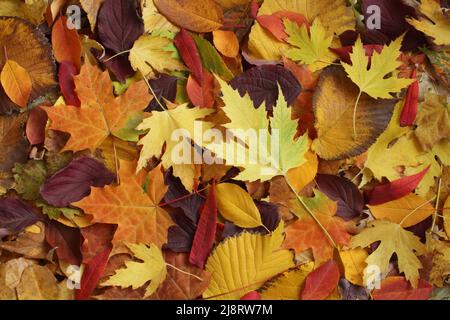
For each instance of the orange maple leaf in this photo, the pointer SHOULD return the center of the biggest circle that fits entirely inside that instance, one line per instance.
(101, 114)
(305, 233)
(136, 212)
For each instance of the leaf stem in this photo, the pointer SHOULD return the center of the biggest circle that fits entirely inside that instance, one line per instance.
(184, 272)
(311, 213)
(415, 210)
(437, 196)
(116, 55)
(154, 94)
(355, 109)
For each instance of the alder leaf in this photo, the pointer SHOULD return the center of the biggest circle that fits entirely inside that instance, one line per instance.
(261, 254)
(137, 274)
(334, 102)
(394, 239)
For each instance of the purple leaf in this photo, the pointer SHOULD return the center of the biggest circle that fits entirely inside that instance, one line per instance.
(119, 24)
(350, 200)
(120, 66)
(15, 216)
(262, 82)
(190, 205)
(66, 240)
(74, 182)
(269, 216)
(181, 236)
(393, 23)
(164, 87)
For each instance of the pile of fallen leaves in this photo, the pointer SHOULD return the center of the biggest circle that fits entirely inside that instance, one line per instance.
(94, 206)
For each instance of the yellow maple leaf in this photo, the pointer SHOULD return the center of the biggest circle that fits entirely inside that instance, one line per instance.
(262, 153)
(312, 49)
(435, 24)
(136, 274)
(335, 16)
(163, 125)
(136, 212)
(393, 239)
(154, 53)
(374, 81)
(260, 254)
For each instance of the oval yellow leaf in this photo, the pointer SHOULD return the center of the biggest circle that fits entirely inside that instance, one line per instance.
(334, 102)
(226, 42)
(16, 82)
(407, 211)
(237, 206)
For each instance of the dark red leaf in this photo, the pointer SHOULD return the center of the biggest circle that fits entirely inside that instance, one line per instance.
(35, 128)
(96, 238)
(350, 200)
(393, 16)
(67, 71)
(321, 282)
(188, 51)
(398, 288)
(206, 230)
(252, 295)
(66, 241)
(119, 24)
(395, 189)
(93, 271)
(409, 112)
(74, 182)
(15, 216)
(262, 83)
